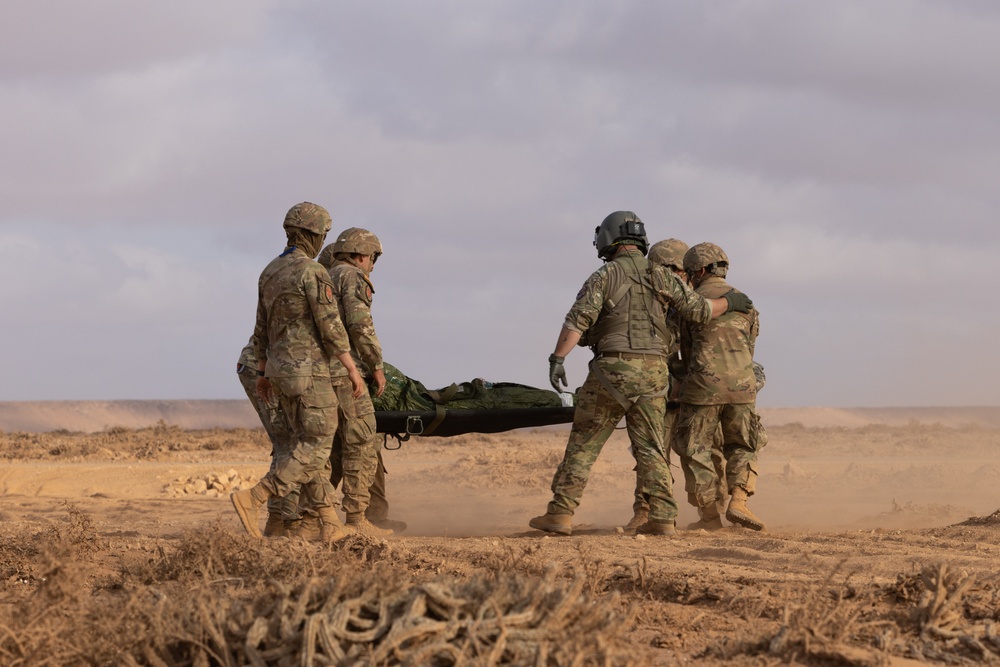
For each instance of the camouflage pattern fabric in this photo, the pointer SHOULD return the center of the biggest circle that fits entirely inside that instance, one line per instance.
(696, 441)
(671, 292)
(298, 330)
(298, 326)
(719, 354)
(405, 394)
(353, 291)
(273, 422)
(309, 406)
(718, 394)
(378, 505)
(597, 414)
(355, 452)
(355, 448)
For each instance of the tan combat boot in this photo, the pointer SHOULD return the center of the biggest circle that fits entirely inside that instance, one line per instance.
(362, 525)
(665, 528)
(307, 528)
(275, 526)
(333, 529)
(389, 524)
(709, 519)
(640, 517)
(560, 524)
(739, 513)
(247, 502)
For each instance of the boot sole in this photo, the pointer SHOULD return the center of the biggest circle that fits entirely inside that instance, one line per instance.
(249, 524)
(710, 528)
(744, 520)
(538, 525)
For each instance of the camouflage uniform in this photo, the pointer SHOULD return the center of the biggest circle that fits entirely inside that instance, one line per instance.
(356, 448)
(625, 328)
(298, 331)
(719, 390)
(272, 421)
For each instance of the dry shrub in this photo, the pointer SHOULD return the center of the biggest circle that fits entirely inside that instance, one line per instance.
(378, 617)
(217, 600)
(944, 617)
(160, 441)
(826, 623)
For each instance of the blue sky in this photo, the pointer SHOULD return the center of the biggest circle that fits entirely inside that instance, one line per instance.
(845, 155)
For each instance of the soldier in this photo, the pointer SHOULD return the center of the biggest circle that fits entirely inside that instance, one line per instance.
(274, 425)
(620, 314)
(356, 457)
(719, 391)
(670, 255)
(298, 331)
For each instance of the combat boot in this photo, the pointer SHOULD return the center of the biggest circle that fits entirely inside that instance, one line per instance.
(275, 526)
(739, 513)
(560, 524)
(333, 529)
(307, 528)
(389, 524)
(709, 519)
(665, 528)
(640, 517)
(247, 502)
(362, 525)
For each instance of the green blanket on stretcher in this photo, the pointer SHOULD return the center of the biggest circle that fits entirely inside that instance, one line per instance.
(403, 393)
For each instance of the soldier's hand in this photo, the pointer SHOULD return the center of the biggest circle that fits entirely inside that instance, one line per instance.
(737, 301)
(357, 382)
(264, 390)
(557, 373)
(379, 378)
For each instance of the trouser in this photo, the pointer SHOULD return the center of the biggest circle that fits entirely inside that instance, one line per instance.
(274, 425)
(696, 441)
(309, 408)
(596, 415)
(378, 503)
(354, 459)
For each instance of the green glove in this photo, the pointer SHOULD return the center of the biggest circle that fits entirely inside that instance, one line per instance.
(557, 373)
(737, 301)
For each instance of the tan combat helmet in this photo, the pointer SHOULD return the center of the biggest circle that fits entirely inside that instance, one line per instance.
(703, 256)
(669, 253)
(356, 240)
(308, 216)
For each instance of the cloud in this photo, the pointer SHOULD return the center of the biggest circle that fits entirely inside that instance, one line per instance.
(842, 153)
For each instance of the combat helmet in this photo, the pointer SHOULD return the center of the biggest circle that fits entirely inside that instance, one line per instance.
(620, 228)
(356, 240)
(308, 216)
(669, 253)
(704, 255)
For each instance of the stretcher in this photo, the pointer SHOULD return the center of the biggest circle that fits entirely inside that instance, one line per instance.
(444, 422)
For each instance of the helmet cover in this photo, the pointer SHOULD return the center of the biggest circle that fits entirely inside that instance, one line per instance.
(668, 253)
(308, 216)
(703, 255)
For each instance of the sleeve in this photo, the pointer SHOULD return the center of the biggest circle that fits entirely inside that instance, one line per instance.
(587, 307)
(357, 303)
(319, 292)
(260, 336)
(689, 305)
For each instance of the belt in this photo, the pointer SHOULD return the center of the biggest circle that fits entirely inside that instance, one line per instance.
(630, 355)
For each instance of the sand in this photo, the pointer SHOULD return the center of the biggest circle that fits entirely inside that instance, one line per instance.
(871, 495)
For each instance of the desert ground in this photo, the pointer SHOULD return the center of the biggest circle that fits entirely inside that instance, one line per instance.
(119, 545)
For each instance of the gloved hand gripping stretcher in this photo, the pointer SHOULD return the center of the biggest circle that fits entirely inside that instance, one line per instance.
(408, 408)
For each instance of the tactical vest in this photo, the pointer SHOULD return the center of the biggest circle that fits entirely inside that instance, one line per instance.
(632, 318)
